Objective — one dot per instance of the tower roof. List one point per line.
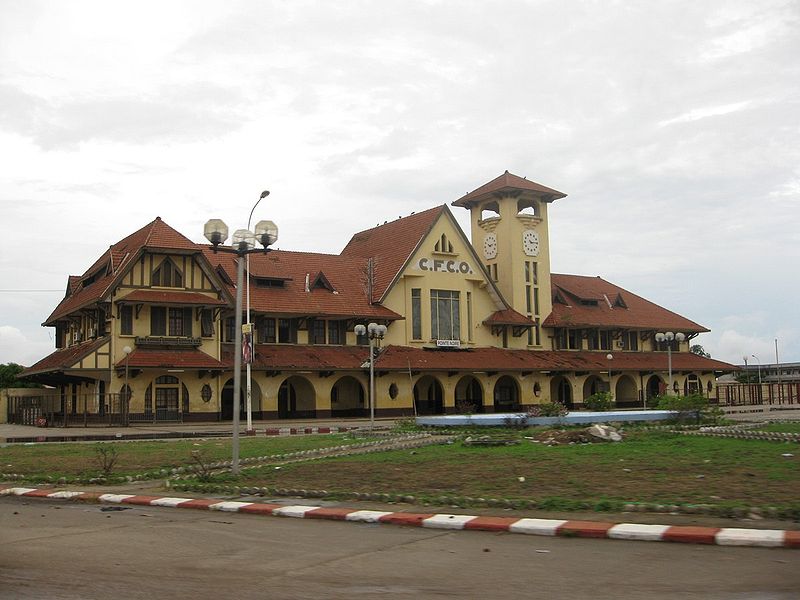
(505, 184)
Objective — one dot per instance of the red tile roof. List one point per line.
(637, 313)
(64, 358)
(274, 357)
(345, 274)
(176, 297)
(508, 182)
(391, 245)
(508, 317)
(155, 235)
(171, 359)
(401, 358)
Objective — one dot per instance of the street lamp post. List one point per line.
(243, 243)
(669, 337)
(373, 331)
(249, 392)
(126, 401)
(609, 357)
(759, 368)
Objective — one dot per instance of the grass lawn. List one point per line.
(781, 427)
(79, 459)
(646, 467)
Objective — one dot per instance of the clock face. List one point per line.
(530, 242)
(490, 246)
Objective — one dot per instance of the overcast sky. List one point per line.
(672, 126)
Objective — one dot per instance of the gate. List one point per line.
(79, 410)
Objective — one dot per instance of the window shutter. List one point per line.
(187, 322)
(158, 320)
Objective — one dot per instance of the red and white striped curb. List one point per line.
(722, 536)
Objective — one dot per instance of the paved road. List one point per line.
(69, 551)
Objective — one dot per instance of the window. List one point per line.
(207, 323)
(416, 314)
(126, 320)
(265, 328)
(592, 340)
(335, 332)
(180, 322)
(469, 316)
(631, 340)
(167, 398)
(158, 320)
(574, 339)
(264, 282)
(317, 331)
(445, 318)
(536, 301)
(167, 275)
(538, 332)
(492, 271)
(287, 331)
(605, 340)
(561, 339)
(443, 245)
(230, 329)
(528, 298)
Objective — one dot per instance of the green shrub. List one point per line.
(691, 407)
(548, 409)
(600, 401)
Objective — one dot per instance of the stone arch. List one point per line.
(226, 399)
(625, 392)
(348, 397)
(164, 398)
(469, 395)
(593, 385)
(655, 387)
(297, 399)
(692, 385)
(506, 395)
(527, 206)
(490, 210)
(429, 396)
(561, 391)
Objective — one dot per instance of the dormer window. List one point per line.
(267, 282)
(167, 275)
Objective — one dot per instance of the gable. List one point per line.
(446, 258)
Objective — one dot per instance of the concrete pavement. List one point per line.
(69, 550)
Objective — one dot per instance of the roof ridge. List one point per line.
(413, 214)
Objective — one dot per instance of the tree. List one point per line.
(699, 350)
(9, 377)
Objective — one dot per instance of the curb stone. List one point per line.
(725, 536)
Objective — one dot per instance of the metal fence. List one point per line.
(749, 394)
(82, 410)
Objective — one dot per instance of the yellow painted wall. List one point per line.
(431, 270)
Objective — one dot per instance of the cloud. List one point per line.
(177, 113)
(16, 347)
(703, 113)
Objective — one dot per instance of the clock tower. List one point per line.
(509, 232)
